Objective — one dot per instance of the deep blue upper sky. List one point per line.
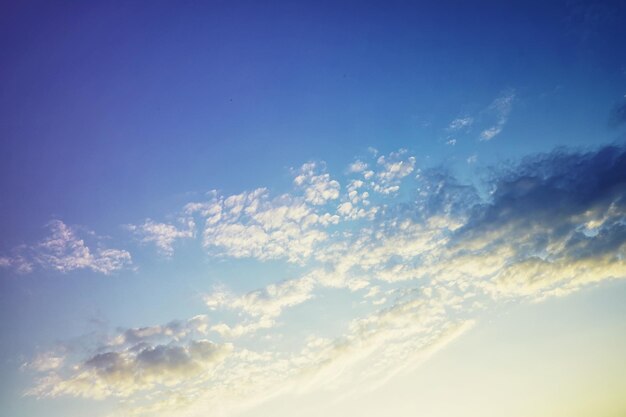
(106, 107)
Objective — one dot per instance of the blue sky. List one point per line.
(307, 193)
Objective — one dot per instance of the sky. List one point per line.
(293, 208)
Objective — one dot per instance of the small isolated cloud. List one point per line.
(460, 123)
(63, 250)
(357, 166)
(500, 108)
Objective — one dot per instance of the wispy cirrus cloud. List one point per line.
(500, 108)
(421, 271)
(64, 251)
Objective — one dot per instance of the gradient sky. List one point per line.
(296, 208)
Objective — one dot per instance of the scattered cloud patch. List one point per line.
(64, 251)
(319, 188)
(357, 166)
(163, 235)
(500, 108)
(461, 123)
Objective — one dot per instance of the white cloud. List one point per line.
(357, 166)
(319, 188)
(252, 224)
(63, 250)
(163, 235)
(501, 108)
(392, 169)
(121, 373)
(261, 306)
(460, 123)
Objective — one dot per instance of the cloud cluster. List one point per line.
(319, 188)
(135, 359)
(63, 250)
(417, 271)
(252, 224)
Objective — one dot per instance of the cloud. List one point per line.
(357, 166)
(393, 168)
(175, 330)
(319, 188)
(261, 306)
(64, 251)
(163, 235)
(251, 224)
(142, 367)
(460, 124)
(415, 275)
(500, 108)
(46, 362)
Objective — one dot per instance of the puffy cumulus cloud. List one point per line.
(63, 250)
(415, 276)
(139, 368)
(175, 330)
(163, 235)
(357, 166)
(500, 108)
(132, 360)
(318, 187)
